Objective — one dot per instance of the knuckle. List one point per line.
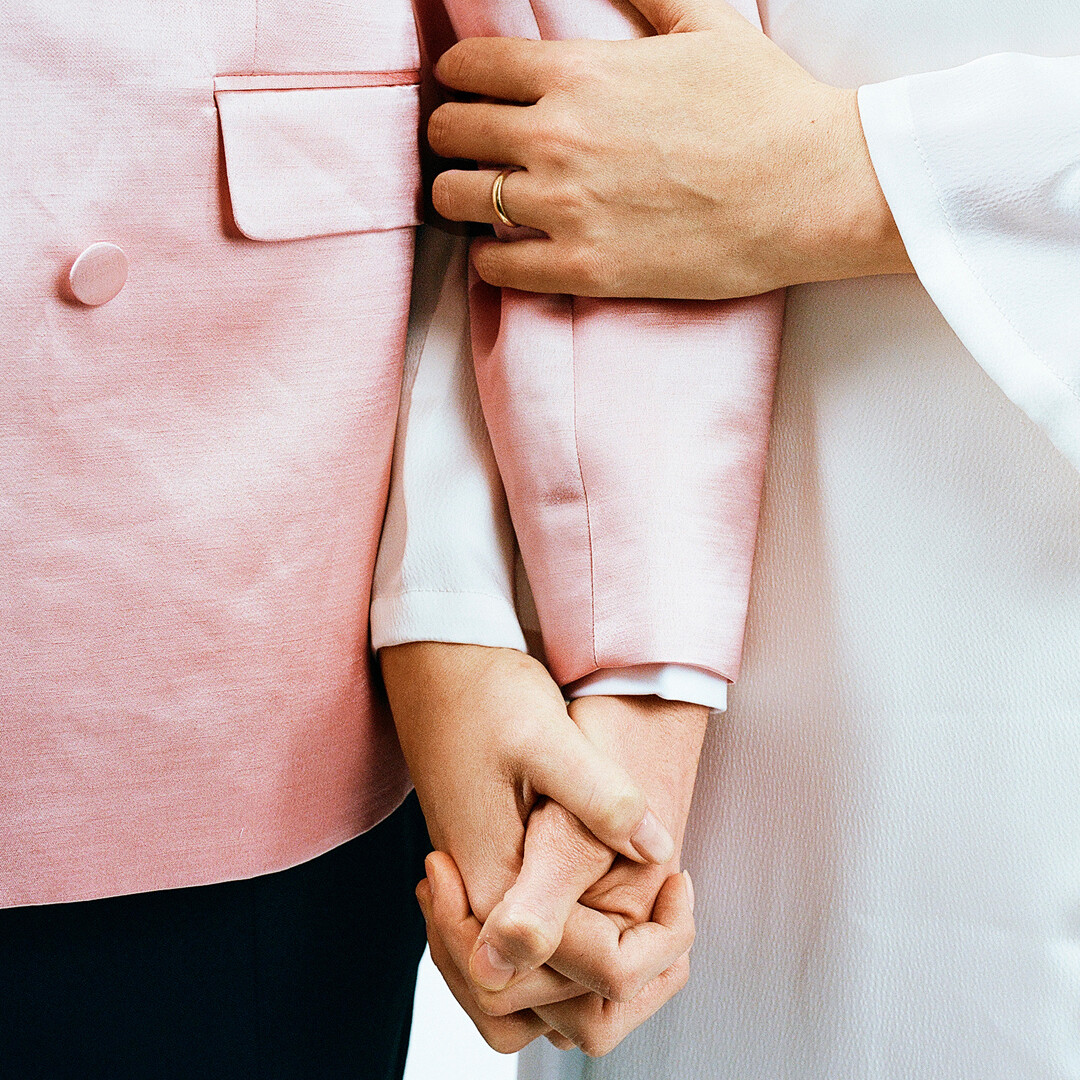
(487, 265)
(503, 1040)
(625, 985)
(603, 972)
(569, 200)
(561, 135)
(603, 985)
(493, 1005)
(623, 809)
(442, 196)
(456, 65)
(591, 274)
(523, 935)
(574, 67)
(603, 1041)
(629, 902)
(568, 843)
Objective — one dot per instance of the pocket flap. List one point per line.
(317, 161)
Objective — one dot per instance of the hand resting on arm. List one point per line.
(700, 163)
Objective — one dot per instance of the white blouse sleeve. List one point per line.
(445, 570)
(981, 167)
(673, 682)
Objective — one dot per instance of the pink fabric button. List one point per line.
(98, 274)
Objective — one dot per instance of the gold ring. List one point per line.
(497, 199)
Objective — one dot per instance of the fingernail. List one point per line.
(652, 841)
(689, 888)
(491, 969)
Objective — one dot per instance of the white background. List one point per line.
(445, 1045)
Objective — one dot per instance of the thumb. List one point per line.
(684, 16)
(592, 787)
(561, 860)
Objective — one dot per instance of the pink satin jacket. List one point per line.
(207, 253)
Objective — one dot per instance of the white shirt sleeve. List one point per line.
(981, 167)
(447, 568)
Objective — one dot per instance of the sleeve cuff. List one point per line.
(955, 278)
(459, 618)
(673, 682)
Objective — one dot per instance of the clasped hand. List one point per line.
(554, 901)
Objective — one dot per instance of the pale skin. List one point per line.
(590, 941)
(699, 163)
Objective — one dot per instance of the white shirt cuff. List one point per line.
(458, 617)
(673, 682)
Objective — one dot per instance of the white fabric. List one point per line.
(446, 566)
(674, 682)
(445, 570)
(886, 834)
(981, 166)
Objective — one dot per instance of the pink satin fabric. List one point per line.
(194, 473)
(631, 437)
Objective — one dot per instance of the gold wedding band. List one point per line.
(497, 199)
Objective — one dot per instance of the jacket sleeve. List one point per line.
(447, 568)
(981, 167)
(630, 437)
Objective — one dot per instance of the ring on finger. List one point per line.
(497, 198)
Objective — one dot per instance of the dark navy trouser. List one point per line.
(304, 974)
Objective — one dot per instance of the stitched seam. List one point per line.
(318, 80)
(1065, 382)
(584, 491)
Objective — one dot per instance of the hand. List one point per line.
(626, 941)
(486, 734)
(703, 163)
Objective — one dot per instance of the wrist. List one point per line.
(658, 742)
(861, 237)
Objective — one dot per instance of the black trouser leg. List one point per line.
(304, 974)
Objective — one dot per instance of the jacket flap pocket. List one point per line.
(318, 161)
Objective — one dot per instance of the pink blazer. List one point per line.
(207, 250)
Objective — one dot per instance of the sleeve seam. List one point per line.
(584, 489)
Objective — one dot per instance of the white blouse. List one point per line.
(886, 831)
